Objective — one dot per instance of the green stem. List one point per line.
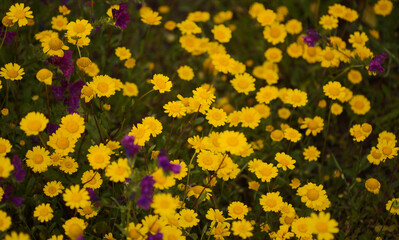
(4, 37)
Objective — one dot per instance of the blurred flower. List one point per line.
(157, 236)
(311, 38)
(121, 16)
(376, 62)
(164, 163)
(147, 189)
(19, 173)
(93, 196)
(65, 63)
(130, 148)
(8, 192)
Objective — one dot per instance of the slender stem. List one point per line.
(4, 37)
(188, 176)
(95, 119)
(386, 219)
(42, 141)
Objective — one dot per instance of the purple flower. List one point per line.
(164, 163)
(312, 37)
(19, 173)
(93, 196)
(73, 102)
(144, 201)
(80, 238)
(58, 91)
(51, 128)
(65, 63)
(130, 148)
(147, 185)
(157, 236)
(76, 87)
(9, 35)
(121, 16)
(377, 61)
(8, 195)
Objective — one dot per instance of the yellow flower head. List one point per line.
(123, 53)
(275, 33)
(221, 33)
(103, 85)
(38, 159)
(188, 27)
(19, 13)
(12, 71)
(75, 197)
(33, 123)
(237, 210)
(150, 17)
(161, 83)
(5, 221)
(272, 201)
(43, 212)
(185, 73)
(79, 29)
(59, 23)
(188, 218)
(52, 189)
(99, 156)
(328, 22)
(74, 227)
(372, 185)
(382, 7)
(53, 46)
(44, 75)
(118, 171)
(141, 134)
(5, 147)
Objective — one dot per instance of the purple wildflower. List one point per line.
(19, 173)
(144, 201)
(65, 63)
(121, 16)
(157, 236)
(312, 37)
(8, 195)
(164, 163)
(80, 238)
(73, 101)
(9, 35)
(377, 61)
(51, 128)
(93, 196)
(76, 87)
(130, 148)
(147, 189)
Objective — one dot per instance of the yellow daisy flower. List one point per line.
(38, 159)
(74, 227)
(79, 29)
(59, 23)
(75, 197)
(53, 188)
(61, 143)
(5, 147)
(118, 171)
(91, 179)
(99, 156)
(43, 212)
(5, 221)
(44, 75)
(19, 13)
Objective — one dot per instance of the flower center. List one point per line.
(288, 220)
(38, 158)
(386, 150)
(34, 125)
(72, 127)
(266, 171)
(312, 194)
(68, 164)
(79, 28)
(329, 55)
(376, 155)
(99, 158)
(237, 210)
(87, 91)
(188, 218)
(12, 73)
(271, 202)
(334, 91)
(296, 98)
(217, 116)
(311, 51)
(232, 141)
(161, 84)
(102, 87)
(275, 32)
(20, 14)
(321, 227)
(44, 212)
(120, 170)
(87, 210)
(76, 197)
(52, 189)
(243, 84)
(358, 40)
(359, 105)
(62, 142)
(312, 125)
(366, 128)
(55, 44)
(75, 230)
(302, 228)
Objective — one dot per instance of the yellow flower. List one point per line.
(87, 93)
(216, 117)
(295, 50)
(237, 210)
(69, 165)
(188, 218)
(292, 134)
(388, 149)
(59, 23)
(284, 161)
(170, 25)
(313, 126)
(38, 159)
(205, 96)
(130, 63)
(153, 125)
(242, 229)
(295, 183)
(73, 124)
(150, 17)
(277, 135)
(123, 53)
(53, 188)
(208, 160)
(266, 17)
(358, 39)
(293, 26)
(188, 27)
(375, 157)
(273, 54)
(44, 75)
(12, 71)
(296, 98)
(249, 117)
(372, 185)
(79, 29)
(135, 231)
(175, 109)
(311, 153)
(272, 201)
(130, 89)
(183, 169)
(161, 83)
(103, 85)
(266, 172)
(329, 57)
(7, 22)
(5, 147)
(382, 7)
(311, 54)
(75, 197)
(267, 94)
(185, 73)
(53, 46)
(351, 15)
(198, 16)
(61, 143)
(141, 134)
(275, 33)
(302, 228)
(336, 109)
(99, 156)
(74, 227)
(43, 212)
(118, 171)
(19, 13)
(164, 204)
(5, 221)
(33, 123)
(64, 10)
(328, 22)
(172, 232)
(393, 206)
(255, 9)
(221, 33)
(314, 196)
(88, 211)
(323, 225)
(91, 179)
(360, 105)
(354, 76)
